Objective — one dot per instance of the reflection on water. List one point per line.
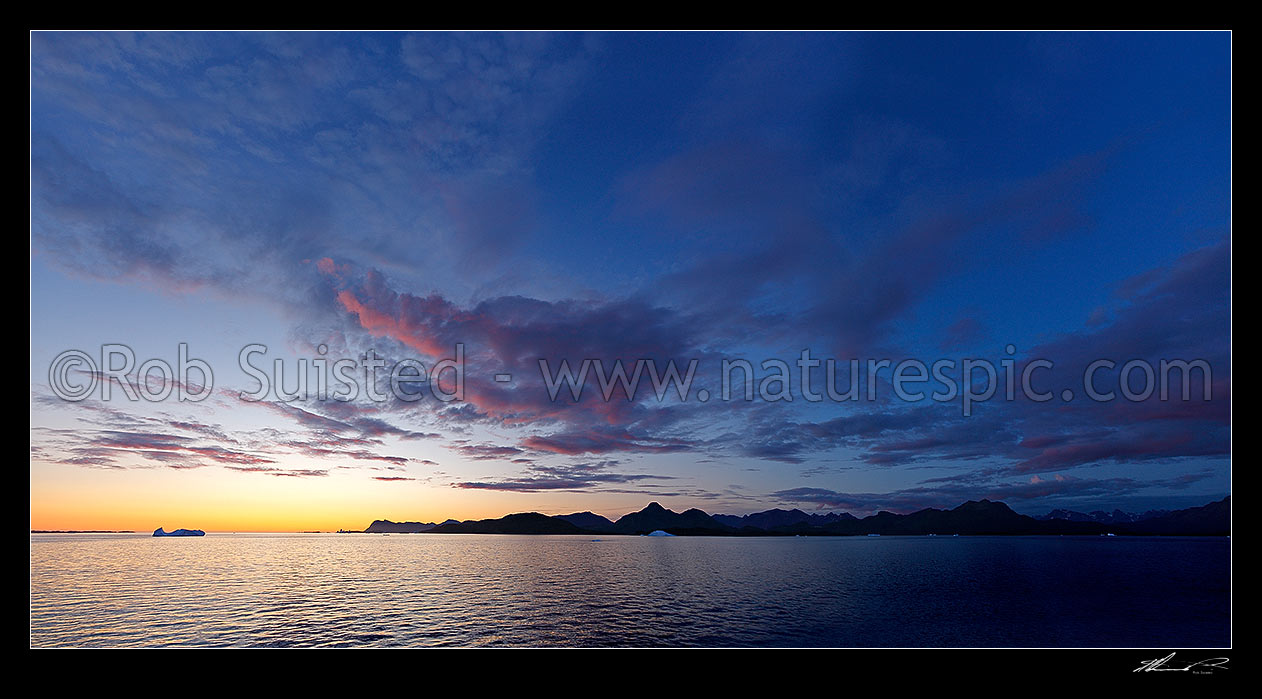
(470, 590)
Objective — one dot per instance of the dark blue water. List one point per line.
(470, 590)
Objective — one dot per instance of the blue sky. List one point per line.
(627, 196)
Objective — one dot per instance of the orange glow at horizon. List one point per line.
(67, 497)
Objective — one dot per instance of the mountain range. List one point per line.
(385, 526)
(972, 517)
(1102, 517)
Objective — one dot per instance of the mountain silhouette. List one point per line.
(385, 526)
(655, 517)
(1102, 517)
(773, 519)
(524, 523)
(972, 517)
(975, 517)
(1213, 519)
(589, 521)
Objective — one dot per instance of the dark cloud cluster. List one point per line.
(570, 477)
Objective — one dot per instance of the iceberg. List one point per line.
(178, 532)
(659, 532)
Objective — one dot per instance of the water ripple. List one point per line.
(311, 590)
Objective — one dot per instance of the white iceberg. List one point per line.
(178, 532)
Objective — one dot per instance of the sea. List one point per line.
(467, 590)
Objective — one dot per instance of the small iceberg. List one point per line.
(178, 532)
(659, 532)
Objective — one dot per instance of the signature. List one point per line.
(1199, 667)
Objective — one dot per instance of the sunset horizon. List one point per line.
(297, 283)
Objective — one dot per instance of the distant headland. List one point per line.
(178, 532)
(975, 517)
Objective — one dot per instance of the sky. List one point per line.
(1006, 197)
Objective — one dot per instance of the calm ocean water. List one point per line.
(470, 590)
